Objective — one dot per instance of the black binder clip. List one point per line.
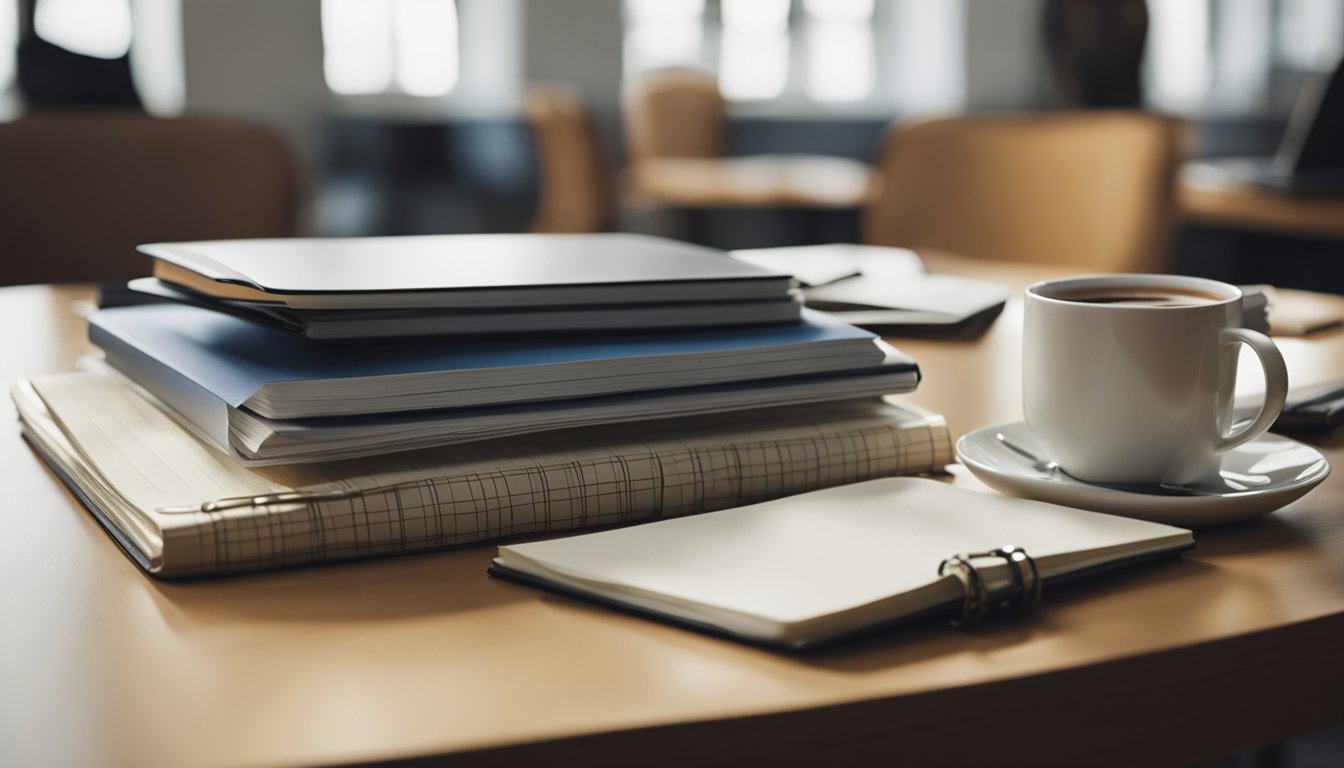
(1022, 597)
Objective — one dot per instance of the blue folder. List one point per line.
(235, 361)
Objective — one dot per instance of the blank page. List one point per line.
(814, 554)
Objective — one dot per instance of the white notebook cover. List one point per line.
(806, 568)
(454, 262)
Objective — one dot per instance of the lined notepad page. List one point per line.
(468, 493)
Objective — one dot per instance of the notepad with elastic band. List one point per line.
(816, 567)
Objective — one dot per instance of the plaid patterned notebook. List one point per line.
(180, 508)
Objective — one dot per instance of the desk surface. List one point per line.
(1239, 643)
(757, 181)
(1208, 195)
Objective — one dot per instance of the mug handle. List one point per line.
(1276, 386)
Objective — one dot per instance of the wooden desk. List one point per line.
(1240, 643)
(1208, 196)
(763, 181)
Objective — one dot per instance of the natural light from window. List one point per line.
(1178, 54)
(9, 39)
(1240, 83)
(664, 33)
(99, 28)
(157, 58)
(777, 51)
(1311, 33)
(754, 48)
(426, 65)
(378, 46)
(839, 40)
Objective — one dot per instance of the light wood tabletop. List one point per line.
(759, 181)
(1207, 195)
(1237, 644)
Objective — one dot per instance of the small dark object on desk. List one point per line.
(1321, 412)
(970, 327)
(116, 293)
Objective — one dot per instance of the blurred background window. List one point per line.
(1178, 54)
(88, 39)
(99, 28)
(398, 46)
(797, 53)
(754, 40)
(1310, 33)
(9, 41)
(663, 33)
(157, 57)
(839, 43)
(1238, 57)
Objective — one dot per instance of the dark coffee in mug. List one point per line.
(1118, 388)
(1140, 296)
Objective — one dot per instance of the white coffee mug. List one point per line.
(1130, 378)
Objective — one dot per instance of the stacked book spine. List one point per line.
(284, 449)
(217, 516)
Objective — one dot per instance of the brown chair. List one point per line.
(80, 190)
(1092, 189)
(673, 113)
(575, 189)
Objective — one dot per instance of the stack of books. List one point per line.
(312, 400)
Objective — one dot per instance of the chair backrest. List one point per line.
(675, 112)
(1092, 189)
(575, 191)
(81, 189)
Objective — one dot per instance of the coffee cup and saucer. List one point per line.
(1128, 387)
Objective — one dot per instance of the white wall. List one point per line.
(578, 42)
(263, 58)
(1005, 62)
(258, 58)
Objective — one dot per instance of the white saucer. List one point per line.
(1256, 479)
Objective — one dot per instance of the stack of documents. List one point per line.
(180, 381)
(266, 397)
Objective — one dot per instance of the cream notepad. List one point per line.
(808, 568)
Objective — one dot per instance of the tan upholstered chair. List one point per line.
(1090, 189)
(575, 189)
(673, 113)
(80, 189)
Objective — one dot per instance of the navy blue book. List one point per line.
(281, 376)
(266, 397)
